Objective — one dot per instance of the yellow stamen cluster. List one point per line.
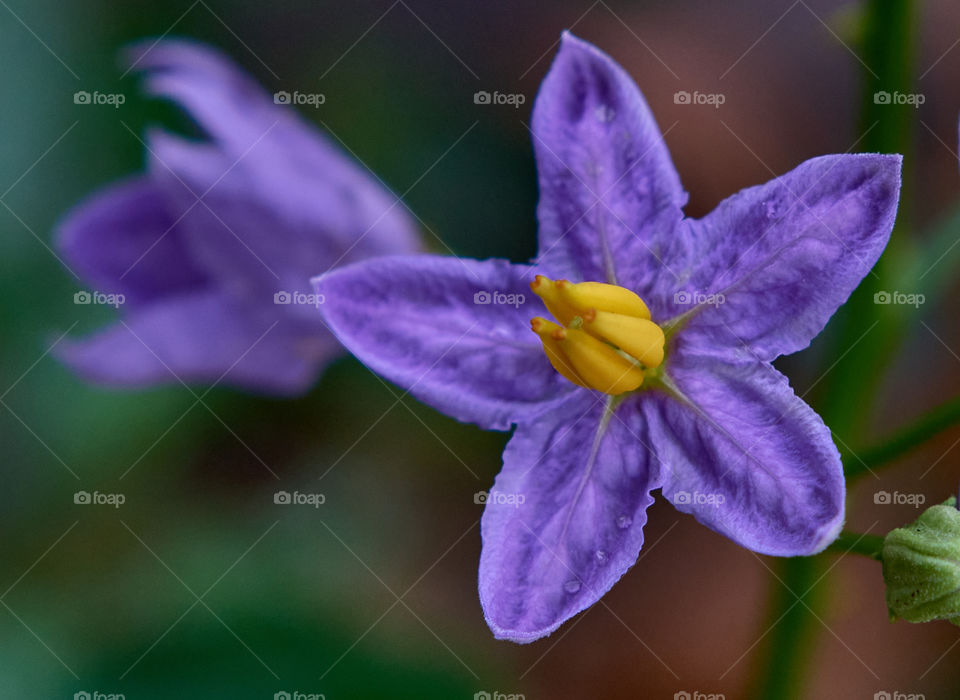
(605, 338)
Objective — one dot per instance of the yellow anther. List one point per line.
(605, 340)
(638, 337)
(546, 289)
(603, 297)
(600, 366)
(551, 346)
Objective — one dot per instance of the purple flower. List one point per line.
(213, 246)
(672, 389)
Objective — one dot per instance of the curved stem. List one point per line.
(936, 421)
(856, 543)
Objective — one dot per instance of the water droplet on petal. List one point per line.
(624, 521)
(571, 586)
(601, 556)
(604, 114)
(772, 209)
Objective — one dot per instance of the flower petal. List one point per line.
(226, 102)
(607, 186)
(585, 486)
(785, 255)
(125, 240)
(202, 339)
(435, 326)
(746, 456)
(280, 202)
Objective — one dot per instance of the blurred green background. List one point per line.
(199, 586)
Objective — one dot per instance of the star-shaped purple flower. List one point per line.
(672, 389)
(214, 245)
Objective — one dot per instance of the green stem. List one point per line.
(936, 421)
(856, 543)
(888, 50)
(794, 632)
(866, 335)
(794, 611)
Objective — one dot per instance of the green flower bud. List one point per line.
(921, 567)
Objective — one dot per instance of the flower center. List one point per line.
(605, 339)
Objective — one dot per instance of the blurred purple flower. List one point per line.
(713, 425)
(214, 245)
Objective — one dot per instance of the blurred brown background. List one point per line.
(313, 604)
